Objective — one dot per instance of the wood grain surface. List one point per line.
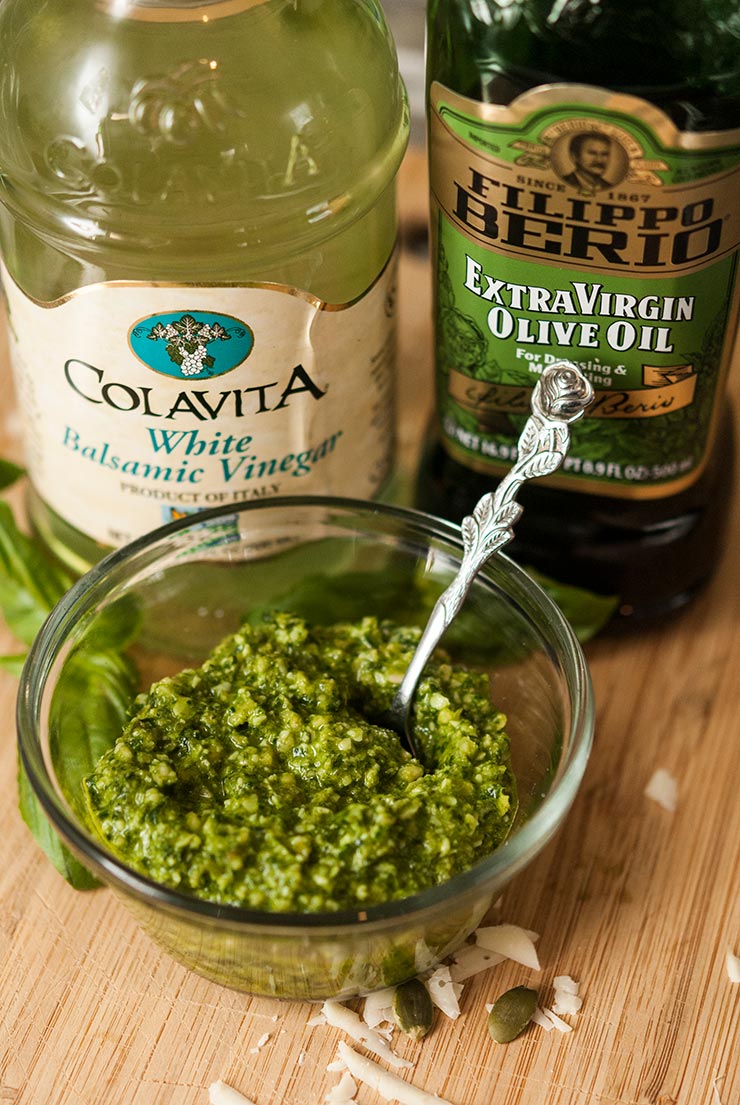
(637, 903)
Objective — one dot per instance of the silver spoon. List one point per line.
(560, 397)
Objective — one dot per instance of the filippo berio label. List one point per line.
(574, 223)
(142, 403)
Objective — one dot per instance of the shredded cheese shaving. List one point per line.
(565, 984)
(221, 1094)
(512, 942)
(445, 992)
(387, 1084)
(340, 1016)
(471, 959)
(732, 962)
(566, 1003)
(344, 1091)
(567, 999)
(540, 1017)
(378, 1007)
(562, 1026)
(663, 789)
(424, 959)
(260, 1043)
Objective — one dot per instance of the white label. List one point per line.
(141, 403)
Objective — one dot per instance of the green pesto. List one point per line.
(260, 780)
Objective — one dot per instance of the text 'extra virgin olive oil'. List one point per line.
(198, 240)
(585, 205)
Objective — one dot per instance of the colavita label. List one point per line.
(143, 403)
(577, 224)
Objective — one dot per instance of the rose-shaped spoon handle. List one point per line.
(560, 397)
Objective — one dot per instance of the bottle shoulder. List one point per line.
(680, 55)
(281, 107)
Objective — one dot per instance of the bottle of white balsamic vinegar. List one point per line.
(585, 184)
(197, 231)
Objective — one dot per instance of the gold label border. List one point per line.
(546, 96)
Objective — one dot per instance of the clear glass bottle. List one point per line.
(584, 159)
(197, 229)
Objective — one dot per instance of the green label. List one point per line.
(577, 225)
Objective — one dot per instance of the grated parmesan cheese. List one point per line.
(663, 789)
(378, 1007)
(424, 959)
(471, 959)
(344, 1091)
(566, 1003)
(387, 1084)
(340, 1016)
(221, 1094)
(260, 1043)
(445, 992)
(540, 1017)
(512, 942)
(567, 999)
(562, 1026)
(732, 963)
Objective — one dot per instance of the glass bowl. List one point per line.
(169, 597)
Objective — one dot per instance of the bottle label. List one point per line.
(582, 225)
(141, 403)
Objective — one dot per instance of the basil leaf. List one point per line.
(95, 688)
(29, 585)
(13, 665)
(587, 612)
(114, 627)
(68, 866)
(389, 592)
(88, 711)
(9, 473)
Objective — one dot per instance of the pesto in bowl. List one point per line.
(259, 779)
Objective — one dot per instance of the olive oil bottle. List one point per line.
(584, 164)
(197, 231)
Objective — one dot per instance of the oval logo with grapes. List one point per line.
(191, 345)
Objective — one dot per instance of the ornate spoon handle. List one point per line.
(560, 397)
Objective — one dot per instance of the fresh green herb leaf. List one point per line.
(388, 593)
(13, 665)
(88, 711)
(98, 681)
(114, 627)
(9, 473)
(57, 853)
(29, 585)
(587, 612)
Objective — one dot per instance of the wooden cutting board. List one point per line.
(636, 903)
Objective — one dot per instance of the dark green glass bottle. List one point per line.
(585, 205)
